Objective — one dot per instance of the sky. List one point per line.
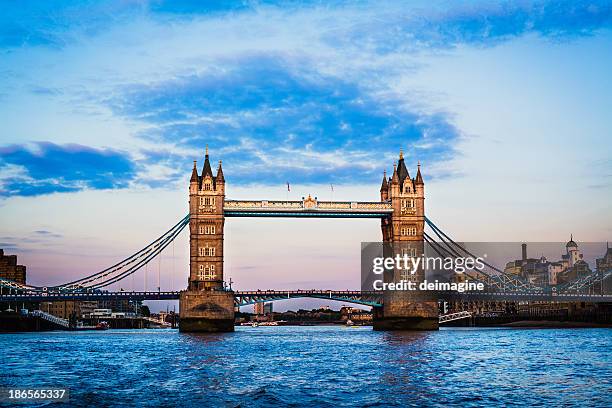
(105, 105)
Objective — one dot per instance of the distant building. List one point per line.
(355, 315)
(540, 271)
(65, 309)
(262, 309)
(605, 263)
(121, 306)
(258, 308)
(10, 270)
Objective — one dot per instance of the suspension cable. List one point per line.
(127, 260)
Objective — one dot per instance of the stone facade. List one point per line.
(206, 197)
(206, 311)
(404, 231)
(206, 306)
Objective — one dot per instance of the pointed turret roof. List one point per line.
(395, 177)
(384, 186)
(194, 173)
(402, 171)
(571, 242)
(206, 170)
(419, 178)
(220, 178)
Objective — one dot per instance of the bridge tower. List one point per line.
(402, 233)
(206, 306)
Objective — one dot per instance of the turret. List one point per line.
(419, 185)
(384, 188)
(193, 182)
(220, 180)
(419, 178)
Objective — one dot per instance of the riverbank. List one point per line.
(548, 324)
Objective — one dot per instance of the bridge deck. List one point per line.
(306, 208)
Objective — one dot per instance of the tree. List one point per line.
(145, 311)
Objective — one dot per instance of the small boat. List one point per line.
(102, 326)
(349, 322)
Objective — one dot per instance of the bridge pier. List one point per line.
(403, 313)
(210, 311)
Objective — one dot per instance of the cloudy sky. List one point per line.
(104, 106)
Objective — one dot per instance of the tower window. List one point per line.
(201, 272)
(207, 186)
(206, 251)
(408, 203)
(409, 252)
(209, 229)
(408, 231)
(207, 201)
(206, 272)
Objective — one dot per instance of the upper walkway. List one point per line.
(308, 207)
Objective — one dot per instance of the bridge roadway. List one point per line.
(243, 298)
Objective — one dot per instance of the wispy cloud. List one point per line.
(267, 118)
(278, 89)
(44, 167)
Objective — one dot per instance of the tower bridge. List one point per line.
(208, 305)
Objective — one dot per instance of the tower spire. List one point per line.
(419, 178)
(220, 178)
(194, 173)
(206, 170)
(402, 170)
(395, 177)
(384, 186)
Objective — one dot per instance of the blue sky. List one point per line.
(104, 106)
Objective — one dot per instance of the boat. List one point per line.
(102, 326)
(349, 322)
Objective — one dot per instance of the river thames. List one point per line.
(316, 366)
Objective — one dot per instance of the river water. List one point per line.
(316, 366)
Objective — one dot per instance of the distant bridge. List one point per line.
(244, 298)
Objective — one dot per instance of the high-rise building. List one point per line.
(10, 270)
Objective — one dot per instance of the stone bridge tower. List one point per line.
(402, 233)
(206, 306)
(206, 196)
